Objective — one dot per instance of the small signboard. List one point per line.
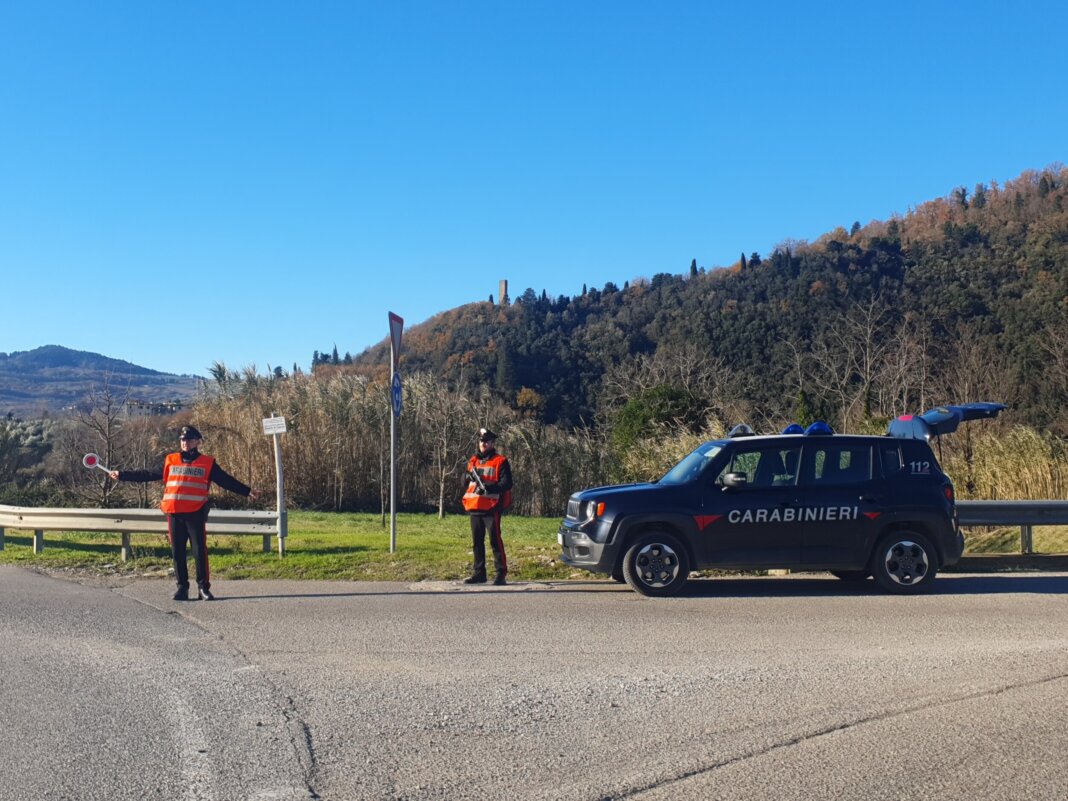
(396, 328)
(396, 395)
(274, 425)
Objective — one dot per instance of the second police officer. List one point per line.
(489, 492)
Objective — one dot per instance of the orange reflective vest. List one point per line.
(490, 471)
(185, 486)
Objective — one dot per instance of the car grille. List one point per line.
(573, 509)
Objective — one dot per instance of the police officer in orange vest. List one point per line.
(186, 477)
(489, 492)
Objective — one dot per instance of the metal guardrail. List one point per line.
(1025, 514)
(132, 521)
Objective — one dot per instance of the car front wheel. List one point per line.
(656, 565)
(904, 562)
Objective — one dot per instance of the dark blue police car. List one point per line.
(854, 505)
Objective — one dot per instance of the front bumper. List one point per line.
(579, 548)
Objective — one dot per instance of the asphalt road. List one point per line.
(772, 688)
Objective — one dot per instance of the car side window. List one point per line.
(765, 467)
(836, 464)
(742, 461)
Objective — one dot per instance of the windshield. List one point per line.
(690, 467)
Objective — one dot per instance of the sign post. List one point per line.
(396, 326)
(274, 427)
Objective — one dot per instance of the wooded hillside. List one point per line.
(963, 298)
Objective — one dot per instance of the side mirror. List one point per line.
(734, 480)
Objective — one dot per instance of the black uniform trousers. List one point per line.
(483, 523)
(189, 528)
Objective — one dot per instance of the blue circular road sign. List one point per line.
(396, 394)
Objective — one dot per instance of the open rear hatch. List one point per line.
(941, 420)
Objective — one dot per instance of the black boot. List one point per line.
(204, 594)
(475, 580)
(499, 580)
(181, 594)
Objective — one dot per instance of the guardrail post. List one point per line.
(1026, 540)
(266, 543)
(1, 538)
(38, 541)
(125, 552)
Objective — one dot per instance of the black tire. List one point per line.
(656, 564)
(851, 575)
(904, 562)
(617, 575)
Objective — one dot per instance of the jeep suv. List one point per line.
(857, 506)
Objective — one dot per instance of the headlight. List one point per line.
(593, 510)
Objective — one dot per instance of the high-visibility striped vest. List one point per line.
(185, 486)
(490, 471)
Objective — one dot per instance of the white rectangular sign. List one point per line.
(274, 425)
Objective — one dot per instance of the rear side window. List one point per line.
(836, 463)
(892, 461)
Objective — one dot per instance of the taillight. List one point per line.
(948, 490)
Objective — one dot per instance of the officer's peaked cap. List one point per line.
(485, 435)
(189, 432)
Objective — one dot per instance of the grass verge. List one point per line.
(320, 545)
(341, 546)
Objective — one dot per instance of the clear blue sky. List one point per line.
(190, 182)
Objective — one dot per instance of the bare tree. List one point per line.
(974, 370)
(442, 409)
(1054, 343)
(903, 383)
(103, 418)
(850, 355)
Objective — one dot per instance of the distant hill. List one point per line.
(52, 379)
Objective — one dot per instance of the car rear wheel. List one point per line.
(656, 564)
(904, 562)
(851, 575)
